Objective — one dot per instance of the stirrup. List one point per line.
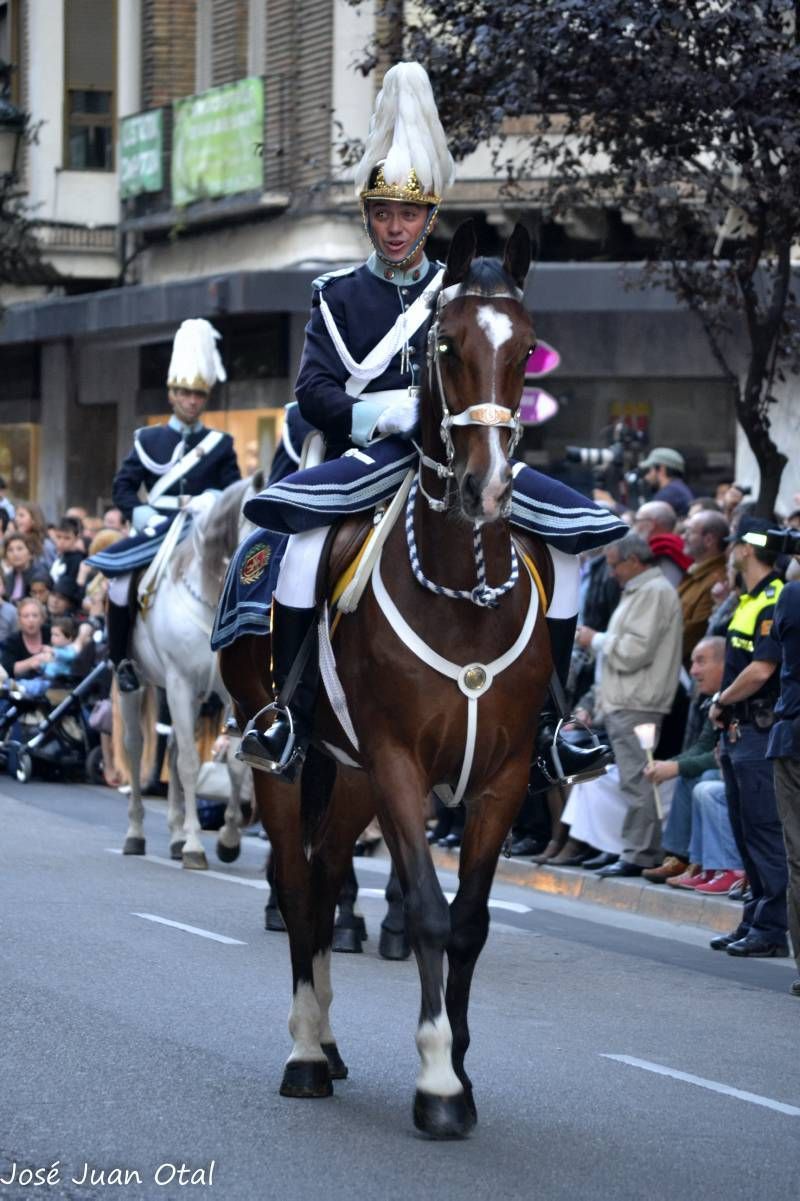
(581, 777)
(252, 752)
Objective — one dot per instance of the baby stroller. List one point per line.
(52, 736)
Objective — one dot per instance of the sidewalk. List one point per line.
(634, 896)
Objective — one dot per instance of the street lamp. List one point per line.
(13, 123)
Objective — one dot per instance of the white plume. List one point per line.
(405, 130)
(195, 355)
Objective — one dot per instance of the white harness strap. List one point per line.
(155, 572)
(182, 466)
(379, 358)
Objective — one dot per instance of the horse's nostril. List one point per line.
(471, 489)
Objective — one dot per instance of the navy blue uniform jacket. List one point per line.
(216, 470)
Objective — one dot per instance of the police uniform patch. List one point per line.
(256, 563)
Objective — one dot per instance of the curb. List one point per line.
(682, 906)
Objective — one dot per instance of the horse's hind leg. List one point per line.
(394, 942)
(349, 929)
(229, 839)
(488, 821)
(440, 1107)
(184, 708)
(130, 704)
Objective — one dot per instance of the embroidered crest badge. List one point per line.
(256, 563)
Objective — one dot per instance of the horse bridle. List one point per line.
(484, 414)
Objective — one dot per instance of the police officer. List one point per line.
(784, 749)
(361, 369)
(170, 464)
(744, 710)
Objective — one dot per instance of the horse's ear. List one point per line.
(517, 255)
(461, 253)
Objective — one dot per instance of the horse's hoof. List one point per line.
(394, 945)
(443, 1117)
(306, 1078)
(176, 849)
(346, 939)
(273, 920)
(195, 861)
(357, 920)
(227, 854)
(133, 846)
(336, 1065)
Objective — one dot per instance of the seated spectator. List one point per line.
(664, 470)
(9, 619)
(66, 647)
(71, 552)
(20, 567)
(655, 522)
(29, 521)
(708, 665)
(595, 813)
(5, 504)
(715, 863)
(704, 540)
(25, 653)
(113, 519)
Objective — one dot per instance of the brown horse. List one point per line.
(441, 691)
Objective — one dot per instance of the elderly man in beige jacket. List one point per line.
(640, 661)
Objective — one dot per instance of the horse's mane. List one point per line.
(220, 539)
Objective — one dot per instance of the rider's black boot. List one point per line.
(118, 629)
(559, 759)
(281, 749)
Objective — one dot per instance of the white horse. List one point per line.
(171, 649)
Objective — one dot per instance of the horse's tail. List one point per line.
(316, 786)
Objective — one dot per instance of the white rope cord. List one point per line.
(482, 594)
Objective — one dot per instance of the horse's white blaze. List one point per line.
(324, 992)
(496, 484)
(435, 1043)
(304, 1024)
(497, 326)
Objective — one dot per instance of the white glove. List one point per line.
(401, 417)
(144, 516)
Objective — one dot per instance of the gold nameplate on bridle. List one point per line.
(491, 415)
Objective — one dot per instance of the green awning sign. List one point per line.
(141, 153)
(216, 142)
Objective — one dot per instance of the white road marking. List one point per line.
(712, 1085)
(165, 921)
(210, 873)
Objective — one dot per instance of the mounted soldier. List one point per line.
(359, 378)
(168, 466)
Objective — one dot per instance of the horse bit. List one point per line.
(478, 414)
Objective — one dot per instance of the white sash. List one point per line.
(184, 465)
(379, 358)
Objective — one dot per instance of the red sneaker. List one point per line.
(690, 879)
(720, 882)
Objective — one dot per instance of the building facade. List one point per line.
(189, 163)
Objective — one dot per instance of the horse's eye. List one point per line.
(443, 347)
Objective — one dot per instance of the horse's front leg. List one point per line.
(489, 818)
(183, 708)
(130, 704)
(175, 809)
(229, 839)
(440, 1106)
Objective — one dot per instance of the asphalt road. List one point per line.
(613, 1057)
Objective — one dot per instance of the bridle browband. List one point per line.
(479, 414)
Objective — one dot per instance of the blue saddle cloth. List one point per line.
(129, 554)
(244, 606)
(361, 479)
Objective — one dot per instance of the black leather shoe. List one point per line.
(563, 761)
(276, 751)
(127, 679)
(620, 869)
(758, 948)
(525, 846)
(604, 859)
(721, 942)
(450, 842)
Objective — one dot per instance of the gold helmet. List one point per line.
(406, 156)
